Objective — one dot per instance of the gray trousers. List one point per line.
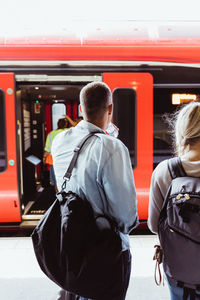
(63, 295)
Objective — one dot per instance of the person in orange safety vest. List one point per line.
(62, 124)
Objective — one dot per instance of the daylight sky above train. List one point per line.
(48, 16)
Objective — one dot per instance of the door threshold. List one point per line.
(31, 217)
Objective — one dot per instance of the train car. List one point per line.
(150, 68)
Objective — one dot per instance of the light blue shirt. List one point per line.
(103, 174)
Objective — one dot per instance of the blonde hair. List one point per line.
(186, 126)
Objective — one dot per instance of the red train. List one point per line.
(150, 71)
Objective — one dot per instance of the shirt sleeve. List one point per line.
(160, 182)
(119, 188)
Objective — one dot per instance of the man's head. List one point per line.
(96, 104)
(62, 123)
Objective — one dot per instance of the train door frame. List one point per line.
(9, 197)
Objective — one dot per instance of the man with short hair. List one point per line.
(103, 174)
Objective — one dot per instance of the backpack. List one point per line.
(78, 250)
(179, 229)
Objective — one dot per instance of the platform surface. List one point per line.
(22, 279)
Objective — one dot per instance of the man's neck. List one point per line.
(100, 124)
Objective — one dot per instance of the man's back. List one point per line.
(103, 173)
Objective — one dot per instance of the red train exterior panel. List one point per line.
(182, 52)
(9, 199)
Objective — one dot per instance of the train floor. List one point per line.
(22, 279)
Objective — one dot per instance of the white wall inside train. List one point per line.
(58, 112)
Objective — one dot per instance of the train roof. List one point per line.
(110, 40)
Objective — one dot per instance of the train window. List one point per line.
(162, 143)
(124, 116)
(3, 154)
(166, 101)
(58, 111)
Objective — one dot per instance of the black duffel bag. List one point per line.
(79, 251)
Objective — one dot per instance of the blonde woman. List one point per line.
(186, 139)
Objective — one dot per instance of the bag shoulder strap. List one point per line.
(175, 168)
(77, 150)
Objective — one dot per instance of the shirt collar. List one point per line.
(85, 125)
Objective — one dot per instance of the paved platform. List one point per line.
(22, 279)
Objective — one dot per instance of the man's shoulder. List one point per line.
(111, 144)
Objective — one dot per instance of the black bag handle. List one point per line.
(77, 150)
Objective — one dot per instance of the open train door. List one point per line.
(9, 199)
(133, 114)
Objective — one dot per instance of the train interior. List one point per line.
(40, 105)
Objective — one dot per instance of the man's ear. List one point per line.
(110, 109)
(80, 107)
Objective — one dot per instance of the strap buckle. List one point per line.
(76, 149)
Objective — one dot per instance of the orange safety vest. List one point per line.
(49, 159)
(49, 140)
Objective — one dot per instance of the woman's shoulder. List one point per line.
(161, 168)
(161, 174)
(161, 177)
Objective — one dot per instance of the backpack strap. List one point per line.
(176, 170)
(175, 167)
